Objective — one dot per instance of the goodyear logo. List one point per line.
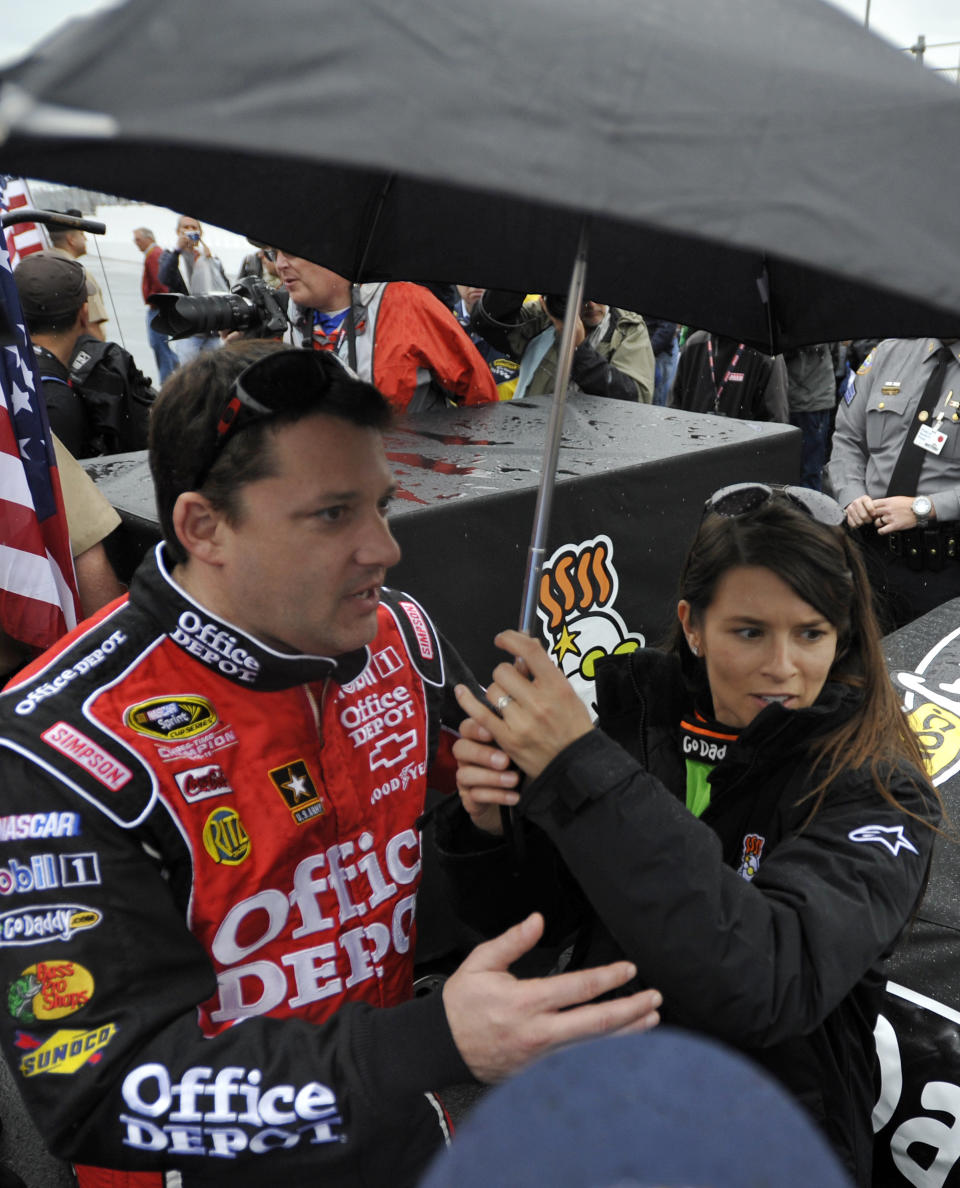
(168, 718)
(224, 837)
(938, 732)
(49, 990)
(65, 1051)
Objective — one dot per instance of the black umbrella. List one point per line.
(766, 170)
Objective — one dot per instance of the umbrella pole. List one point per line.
(541, 514)
(551, 451)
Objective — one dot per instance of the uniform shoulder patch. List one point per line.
(419, 634)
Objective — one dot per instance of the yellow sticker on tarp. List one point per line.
(938, 733)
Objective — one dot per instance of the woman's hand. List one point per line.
(538, 712)
(483, 779)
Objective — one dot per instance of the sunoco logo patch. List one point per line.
(168, 718)
(64, 1052)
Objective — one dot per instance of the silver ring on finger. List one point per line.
(503, 702)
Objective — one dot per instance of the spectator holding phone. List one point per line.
(191, 267)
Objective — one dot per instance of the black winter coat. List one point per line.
(783, 967)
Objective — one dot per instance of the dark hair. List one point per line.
(183, 429)
(823, 566)
(52, 323)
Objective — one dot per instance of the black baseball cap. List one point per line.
(50, 286)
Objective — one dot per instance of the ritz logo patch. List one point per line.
(167, 718)
(891, 836)
(224, 837)
(298, 791)
(65, 1051)
(49, 990)
(753, 845)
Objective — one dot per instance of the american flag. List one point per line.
(22, 238)
(38, 588)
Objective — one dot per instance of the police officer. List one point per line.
(895, 468)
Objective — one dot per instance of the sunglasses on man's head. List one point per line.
(271, 385)
(741, 498)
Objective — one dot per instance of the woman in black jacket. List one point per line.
(750, 824)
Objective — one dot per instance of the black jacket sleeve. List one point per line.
(137, 1079)
(751, 962)
(168, 269)
(599, 377)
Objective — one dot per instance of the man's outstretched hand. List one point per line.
(501, 1023)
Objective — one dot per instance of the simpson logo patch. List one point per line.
(86, 753)
(65, 1052)
(224, 837)
(167, 718)
(298, 790)
(49, 990)
(420, 628)
(200, 783)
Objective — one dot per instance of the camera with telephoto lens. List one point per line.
(251, 307)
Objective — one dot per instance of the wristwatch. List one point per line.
(921, 508)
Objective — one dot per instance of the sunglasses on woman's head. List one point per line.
(741, 498)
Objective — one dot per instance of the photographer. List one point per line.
(403, 339)
(613, 355)
(97, 400)
(192, 268)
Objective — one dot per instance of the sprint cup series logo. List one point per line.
(578, 589)
(932, 703)
(171, 718)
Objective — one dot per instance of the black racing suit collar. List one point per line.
(224, 647)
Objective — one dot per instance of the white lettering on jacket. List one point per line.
(255, 987)
(215, 647)
(50, 688)
(225, 1113)
(38, 825)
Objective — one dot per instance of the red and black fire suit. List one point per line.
(208, 871)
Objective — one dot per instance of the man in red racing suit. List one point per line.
(209, 857)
